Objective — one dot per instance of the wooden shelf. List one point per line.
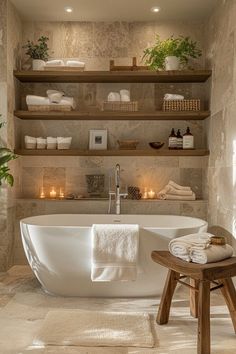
(100, 115)
(114, 76)
(147, 152)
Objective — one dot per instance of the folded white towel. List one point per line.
(170, 96)
(41, 143)
(214, 253)
(63, 143)
(75, 63)
(39, 100)
(114, 252)
(181, 246)
(51, 143)
(177, 186)
(30, 142)
(113, 97)
(169, 190)
(55, 62)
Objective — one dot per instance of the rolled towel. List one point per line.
(177, 186)
(55, 96)
(55, 62)
(63, 143)
(180, 247)
(113, 97)
(51, 143)
(214, 253)
(36, 100)
(41, 143)
(125, 95)
(75, 63)
(170, 96)
(30, 142)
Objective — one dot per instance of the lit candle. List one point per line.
(53, 193)
(61, 193)
(42, 193)
(151, 194)
(145, 194)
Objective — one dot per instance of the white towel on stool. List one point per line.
(114, 252)
(181, 246)
(214, 253)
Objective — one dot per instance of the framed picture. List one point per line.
(98, 139)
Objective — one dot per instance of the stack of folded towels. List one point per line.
(123, 96)
(54, 98)
(173, 191)
(197, 248)
(73, 63)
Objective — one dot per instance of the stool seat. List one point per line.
(201, 276)
(209, 271)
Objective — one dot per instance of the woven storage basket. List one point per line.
(181, 105)
(120, 106)
(49, 108)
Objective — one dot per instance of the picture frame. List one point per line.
(98, 139)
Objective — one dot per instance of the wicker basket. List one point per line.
(49, 108)
(120, 106)
(181, 105)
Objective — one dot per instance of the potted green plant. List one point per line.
(171, 53)
(38, 52)
(6, 155)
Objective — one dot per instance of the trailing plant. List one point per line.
(6, 155)
(181, 47)
(38, 50)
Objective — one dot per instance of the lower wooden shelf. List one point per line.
(147, 152)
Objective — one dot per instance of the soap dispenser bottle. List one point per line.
(179, 140)
(188, 140)
(172, 140)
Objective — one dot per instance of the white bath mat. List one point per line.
(94, 329)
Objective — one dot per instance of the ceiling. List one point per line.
(114, 10)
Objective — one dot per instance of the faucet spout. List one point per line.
(117, 193)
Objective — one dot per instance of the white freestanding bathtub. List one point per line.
(58, 249)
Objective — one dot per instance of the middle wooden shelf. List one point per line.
(101, 115)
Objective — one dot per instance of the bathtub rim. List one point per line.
(26, 221)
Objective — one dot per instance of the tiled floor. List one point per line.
(23, 306)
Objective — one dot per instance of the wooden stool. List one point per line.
(201, 276)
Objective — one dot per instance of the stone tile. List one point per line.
(192, 177)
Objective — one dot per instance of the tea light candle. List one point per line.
(42, 193)
(151, 194)
(53, 193)
(61, 193)
(145, 194)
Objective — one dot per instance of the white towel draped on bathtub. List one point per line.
(114, 252)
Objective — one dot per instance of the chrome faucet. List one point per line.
(117, 193)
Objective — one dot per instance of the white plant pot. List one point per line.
(38, 64)
(172, 63)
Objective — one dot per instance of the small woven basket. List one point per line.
(182, 105)
(49, 108)
(120, 106)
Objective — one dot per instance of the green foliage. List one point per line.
(181, 47)
(6, 155)
(38, 50)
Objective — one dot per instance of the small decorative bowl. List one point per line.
(156, 144)
(128, 144)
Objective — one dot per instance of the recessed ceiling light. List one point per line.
(155, 9)
(68, 9)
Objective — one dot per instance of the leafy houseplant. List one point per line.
(38, 52)
(163, 52)
(6, 155)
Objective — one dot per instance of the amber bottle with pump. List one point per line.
(179, 140)
(188, 140)
(172, 140)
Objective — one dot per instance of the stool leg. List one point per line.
(168, 292)
(204, 342)
(229, 293)
(194, 297)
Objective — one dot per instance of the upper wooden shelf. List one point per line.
(101, 115)
(113, 76)
(147, 152)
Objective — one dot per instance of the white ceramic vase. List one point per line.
(38, 64)
(172, 63)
